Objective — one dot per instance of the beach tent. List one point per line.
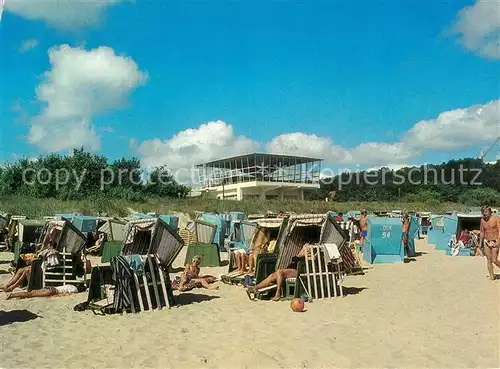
(241, 233)
(220, 231)
(85, 224)
(206, 246)
(454, 225)
(70, 243)
(152, 237)
(255, 233)
(135, 216)
(66, 236)
(114, 230)
(12, 229)
(383, 242)
(65, 216)
(436, 227)
(171, 220)
(296, 232)
(413, 234)
(4, 220)
(139, 273)
(28, 232)
(446, 226)
(237, 215)
(425, 222)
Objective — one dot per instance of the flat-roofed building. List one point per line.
(260, 176)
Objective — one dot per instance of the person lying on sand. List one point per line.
(68, 289)
(279, 276)
(190, 277)
(98, 244)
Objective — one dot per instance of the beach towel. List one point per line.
(332, 251)
(135, 263)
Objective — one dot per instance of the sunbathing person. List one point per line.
(98, 244)
(22, 274)
(252, 258)
(68, 289)
(279, 276)
(18, 279)
(190, 277)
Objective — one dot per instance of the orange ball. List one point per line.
(297, 305)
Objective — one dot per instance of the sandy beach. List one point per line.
(435, 311)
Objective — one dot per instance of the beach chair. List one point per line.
(205, 245)
(264, 230)
(153, 245)
(301, 229)
(323, 273)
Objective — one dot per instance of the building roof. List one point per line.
(267, 159)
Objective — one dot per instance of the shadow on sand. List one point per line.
(16, 316)
(353, 290)
(420, 253)
(187, 298)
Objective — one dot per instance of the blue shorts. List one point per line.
(404, 237)
(364, 234)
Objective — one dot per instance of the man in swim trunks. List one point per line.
(490, 236)
(279, 276)
(405, 228)
(363, 226)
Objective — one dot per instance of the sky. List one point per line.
(359, 84)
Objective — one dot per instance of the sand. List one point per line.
(436, 311)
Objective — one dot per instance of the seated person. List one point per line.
(464, 236)
(68, 289)
(95, 249)
(22, 274)
(191, 278)
(279, 276)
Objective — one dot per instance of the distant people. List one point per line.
(95, 249)
(464, 236)
(490, 236)
(405, 228)
(339, 218)
(363, 226)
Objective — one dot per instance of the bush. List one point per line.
(480, 197)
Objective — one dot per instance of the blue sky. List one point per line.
(184, 82)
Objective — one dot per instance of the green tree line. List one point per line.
(84, 175)
(467, 181)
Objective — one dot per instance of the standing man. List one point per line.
(405, 228)
(363, 227)
(490, 235)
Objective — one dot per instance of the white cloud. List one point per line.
(457, 129)
(27, 45)
(453, 130)
(210, 141)
(307, 145)
(324, 148)
(479, 28)
(79, 85)
(394, 167)
(61, 13)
